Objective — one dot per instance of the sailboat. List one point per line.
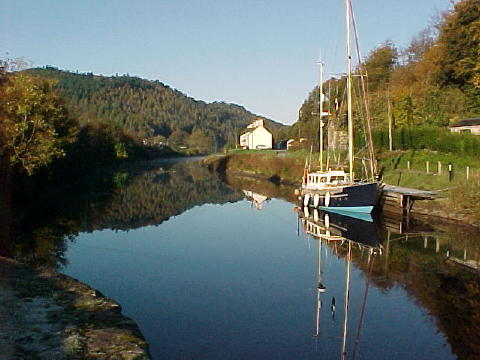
(337, 190)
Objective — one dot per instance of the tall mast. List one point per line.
(320, 110)
(349, 90)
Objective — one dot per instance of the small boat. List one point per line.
(334, 191)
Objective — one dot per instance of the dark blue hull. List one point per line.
(358, 197)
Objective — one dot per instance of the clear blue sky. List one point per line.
(257, 53)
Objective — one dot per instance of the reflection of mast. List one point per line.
(360, 323)
(320, 288)
(343, 352)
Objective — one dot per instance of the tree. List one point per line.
(200, 142)
(178, 138)
(34, 124)
(419, 45)
(379, 65)
(459, 41)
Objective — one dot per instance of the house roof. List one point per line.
(467, 122)
(250, 130)
(247, 132)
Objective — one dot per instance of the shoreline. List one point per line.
(48, 315)
(432, 209)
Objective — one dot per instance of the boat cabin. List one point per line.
(324, 179)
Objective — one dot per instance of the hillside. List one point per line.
(153, 110)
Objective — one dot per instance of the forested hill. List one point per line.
(153, 110)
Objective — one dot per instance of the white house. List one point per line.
(256, 137)
(471, 125)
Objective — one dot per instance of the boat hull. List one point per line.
(358, 198)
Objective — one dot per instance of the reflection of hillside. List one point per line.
(139, 195)
(155, 195)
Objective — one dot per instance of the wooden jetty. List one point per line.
(399, 200)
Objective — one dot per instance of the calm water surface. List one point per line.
(210, 273)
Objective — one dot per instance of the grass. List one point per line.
(465, 198)
(395, 169)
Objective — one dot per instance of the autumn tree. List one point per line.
(34, 121)
(459, 47)
(379, 65)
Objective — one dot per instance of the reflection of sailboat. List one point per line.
(350, 232)
(256, 199)
(338, 190)
(339, 227)
(320, 288)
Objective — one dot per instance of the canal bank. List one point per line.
(47, 315)
(456, 204)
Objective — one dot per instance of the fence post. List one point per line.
(408, 165)
(450, 172)
(427, 165)
(468, 172)
(439, 168)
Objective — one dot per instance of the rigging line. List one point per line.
(357, 337)
(373, 163)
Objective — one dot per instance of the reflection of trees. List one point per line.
(451, 294)
(155, 195)
(140, 195)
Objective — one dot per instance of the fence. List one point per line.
(441, 169)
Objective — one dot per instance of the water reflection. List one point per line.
(341, 231)
(256, 199)
(428, 261)
(380, 287)
(128, 198)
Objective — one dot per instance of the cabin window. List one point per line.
(336, 179)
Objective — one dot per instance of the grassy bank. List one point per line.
(409, 169)
(277, 166)
(461, 195)
(402, 168)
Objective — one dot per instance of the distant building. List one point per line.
(471, 125)
(256, 137)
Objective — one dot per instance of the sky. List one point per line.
(260, 54)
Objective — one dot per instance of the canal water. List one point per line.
(215, 268)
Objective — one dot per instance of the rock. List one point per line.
(47, 315)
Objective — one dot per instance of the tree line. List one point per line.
(43, 145)
(433, 82)
(56, 125)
